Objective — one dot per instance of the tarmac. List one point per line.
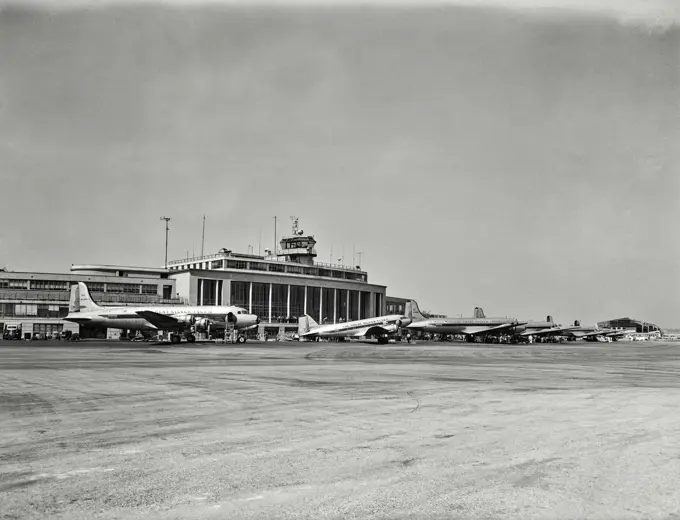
(339, 431)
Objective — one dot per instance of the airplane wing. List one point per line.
(593, 333)
(160, 321)
(617, 333)
(498, 328)
(553, 331)
(368, 331)
(76, 319)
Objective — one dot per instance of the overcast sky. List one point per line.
(524, 160)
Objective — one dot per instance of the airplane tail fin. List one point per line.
(413, 311)
(479, 312)
(81, 301)
(306, 323)
(74, 301)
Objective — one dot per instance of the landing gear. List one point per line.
(382, 341)
(191, 338)
(175, 339)
(241, 339)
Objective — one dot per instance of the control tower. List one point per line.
(297, 247)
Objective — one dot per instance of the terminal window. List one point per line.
(260, 304)
(149, 289)
(239, 293)
(279, 300)
(122, 288)
(22, 309)
(297, 300)
(49, 285)
(327, 304)
(341, 305)
(13, 284)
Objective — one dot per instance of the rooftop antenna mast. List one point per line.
(203, 236)
(275, 236)
(167, 228)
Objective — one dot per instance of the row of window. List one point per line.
(276, 268)
(38, 310)
(322, 303)
(13, 284)
(53, 285)
(396, 308)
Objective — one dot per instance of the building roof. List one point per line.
(115, 268)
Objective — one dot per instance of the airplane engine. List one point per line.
(392, 327)
(186, 319)
(202, 323)
(397, 324)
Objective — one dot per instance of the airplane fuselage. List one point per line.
(459, 325)
(349, 328)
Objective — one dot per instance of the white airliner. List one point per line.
(587, 332)
(538, 328)
(176, 318)
(479, 325)
(576, 331)
(379, 327)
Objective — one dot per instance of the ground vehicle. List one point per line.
(12, 331)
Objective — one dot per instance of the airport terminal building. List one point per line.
(279, 287)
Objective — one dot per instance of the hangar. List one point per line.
(629, 324)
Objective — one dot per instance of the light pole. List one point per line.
(167, 228)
